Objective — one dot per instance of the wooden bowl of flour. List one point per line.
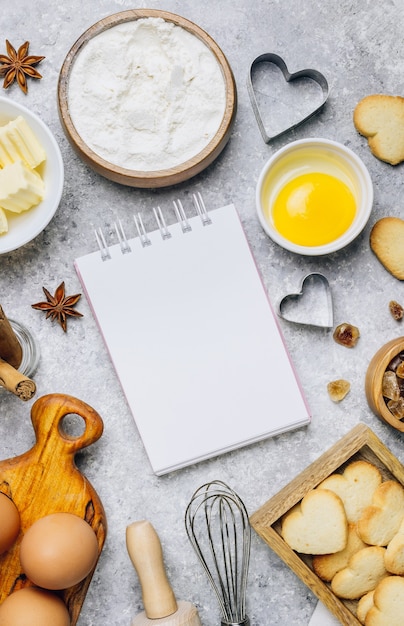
(130, 131)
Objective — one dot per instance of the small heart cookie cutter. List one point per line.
(318, 77)
(313, 282)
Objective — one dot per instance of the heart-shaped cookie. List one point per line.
(300, 78)
(394, 558)
(312, 305)
(381, 520)
(388, 603)
(387, 242)
(317, 524)
(364, 605)
(355, 486)
(380, 118)
(364, 571)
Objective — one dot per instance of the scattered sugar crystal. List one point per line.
(338, 389)
(346, 335)
(396, 310)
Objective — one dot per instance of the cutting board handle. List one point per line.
(47, 414)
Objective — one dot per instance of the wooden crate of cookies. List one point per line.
(339, 526)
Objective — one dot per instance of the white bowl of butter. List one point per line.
(314, 196)
(31, 175)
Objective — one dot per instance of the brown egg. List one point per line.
(58, 551)
(33, 607)
(9, 523)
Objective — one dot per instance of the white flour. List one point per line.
(146, 95)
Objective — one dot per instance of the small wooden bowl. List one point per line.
(164, 177)
(373, 381)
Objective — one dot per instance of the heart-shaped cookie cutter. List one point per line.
(318, 77)
(313, 281)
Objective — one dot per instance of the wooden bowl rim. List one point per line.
(374, 375)
(152, 178)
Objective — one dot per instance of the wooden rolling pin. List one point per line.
(160, 604)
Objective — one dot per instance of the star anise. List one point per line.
(18, 65)
(59, 306)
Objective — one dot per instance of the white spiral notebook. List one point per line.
(192, 336)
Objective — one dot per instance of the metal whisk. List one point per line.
(217, 525)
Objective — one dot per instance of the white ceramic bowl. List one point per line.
(314, 155)
(26, 226)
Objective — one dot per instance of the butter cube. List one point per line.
(20, 187)
(19, 143)
(3, 222)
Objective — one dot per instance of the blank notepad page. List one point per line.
(194, 341)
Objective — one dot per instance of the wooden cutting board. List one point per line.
(45, 480)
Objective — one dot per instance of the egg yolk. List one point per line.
(313, 209)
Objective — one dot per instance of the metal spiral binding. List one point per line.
(161, 223)
(141, 231)
(123, 242)
(181, 217)
(201, 208)
(165, 233)
(102, 244)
